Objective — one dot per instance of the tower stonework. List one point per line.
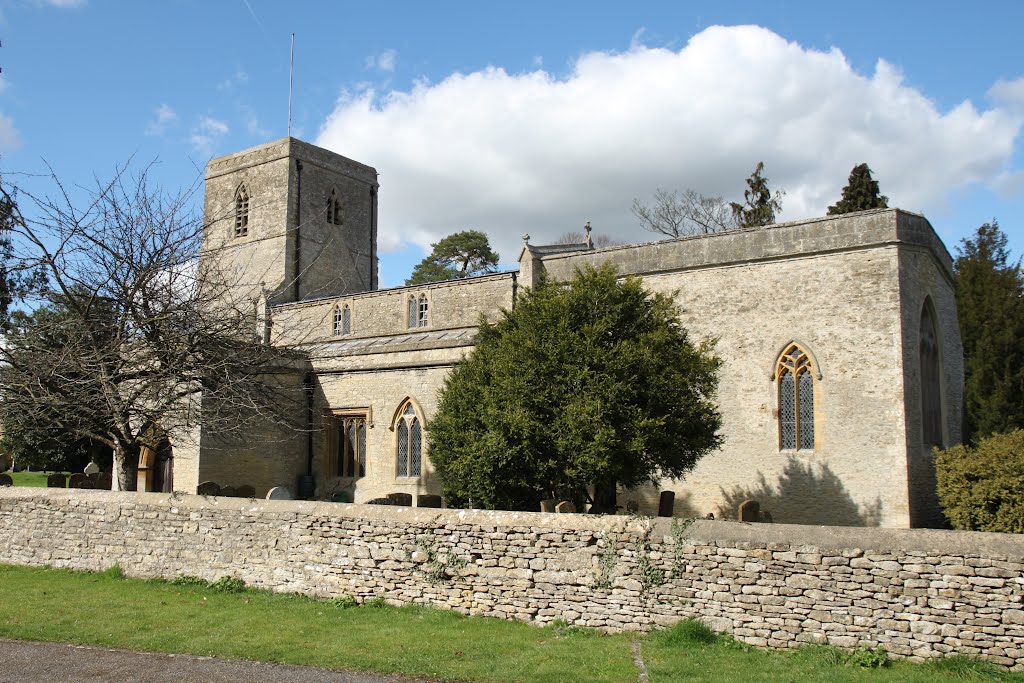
(288, 221)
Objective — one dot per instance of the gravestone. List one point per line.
(565, 506)
(208, 488)
(548, 505)
(228, 492)
(766, 517)
(666, 503)
(245, 491)
(400, 499)
(429, 501)
(57, 480)
(104, 481)
(5, 479)
(750, 511)
(279, 493)
(92, 468)
(80, 481)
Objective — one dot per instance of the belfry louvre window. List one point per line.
(796, 399)
(334, 215)
(410, 442)
(350, 446)
(241, 211)
(931, 405)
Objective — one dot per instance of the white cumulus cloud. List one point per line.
(1008, 93)
(9, 138)
(532, 152)
(163, 118)
(385, 61)
(206, 133)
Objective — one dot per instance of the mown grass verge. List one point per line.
(31, 478)
(227, 620)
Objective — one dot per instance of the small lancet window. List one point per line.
(346, 320)
(334, 214)
(241, 211)
(796, 399)
(423, 319)
(410, 443)
(931, 387)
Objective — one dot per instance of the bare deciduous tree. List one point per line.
(134, 336)
(678, 214)
(577, 237)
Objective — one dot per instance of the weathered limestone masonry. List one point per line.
(918, 593)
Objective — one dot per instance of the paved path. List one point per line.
(31, 662)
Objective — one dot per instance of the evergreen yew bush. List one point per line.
(982, 488)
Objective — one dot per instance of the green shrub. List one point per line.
(190, 582)
(343, 602)
(868, 657)
(228, 584)
(688, 632)
(982, 488)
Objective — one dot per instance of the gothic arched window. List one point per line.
(241, 211)
(931, 391)
(423, 319)
(334, 215)
(411, 314)
(795, 374)
(409, 443)
(346, 319)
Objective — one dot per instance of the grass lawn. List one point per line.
(31, 478)
(108, 610)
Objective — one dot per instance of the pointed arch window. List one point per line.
(409, 446)
(423, 317)
(795, 374)
(241, 211)
(342, 320)
(334, 213)
(931, 402)
(349, 459)
(411, 314)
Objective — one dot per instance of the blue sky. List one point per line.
(535, 117)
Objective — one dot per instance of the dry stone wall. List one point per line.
(918, 593)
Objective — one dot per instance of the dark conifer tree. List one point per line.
(861, 193)
(990, 303)
(760, 205)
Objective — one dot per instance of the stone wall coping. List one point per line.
(929, 541)
(391, 291)
(859, 230)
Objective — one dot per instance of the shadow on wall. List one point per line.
(804, 494)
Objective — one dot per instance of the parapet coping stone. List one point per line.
(935, 542)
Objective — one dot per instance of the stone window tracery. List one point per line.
(241, 211)
(795, 374)
(409, 446)
(424, 314)
(342, 320)
(349, 445)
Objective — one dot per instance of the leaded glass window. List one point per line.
(424, 315)
(338, 321)
(346, 320)
(351, 443)
(411, 313)
(410, 443)
(796, 399)
(242, 211)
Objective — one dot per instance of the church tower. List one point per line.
(288, 221)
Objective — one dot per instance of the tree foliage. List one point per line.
(462, 254)
(860, 194)
(982, 488)
(678, 214)
(590, 383)
(760, 206)
(990, 303)
(135, 335)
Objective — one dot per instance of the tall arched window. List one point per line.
(346, 319)
(334, 215)
(795, 374)
(241, 211)
(424, 313)
(931, 390)
(410, 442)
(337, 321)
(411, 313)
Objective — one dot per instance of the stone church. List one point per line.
(842, 357)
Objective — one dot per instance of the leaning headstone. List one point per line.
(666, 503)
(429, 501)
(104, 481)
(279, 493)
(766, 517)
(750, 511)
(548, 505)
(228, 492)
(245, 491)
(57, 480)
(400, 499)
(80, 481)
(565, 506)
(208, 488)
(91, 468)
(378, 501)
(5, 479)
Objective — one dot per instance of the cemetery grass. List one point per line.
(26, 478)
(190, 616)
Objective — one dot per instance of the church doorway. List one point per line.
(156, 465)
